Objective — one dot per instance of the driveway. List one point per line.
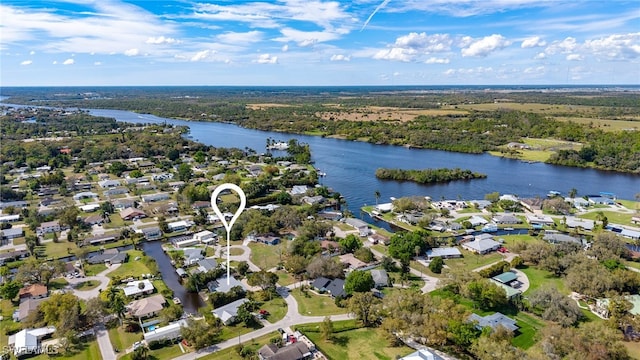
(101, 278)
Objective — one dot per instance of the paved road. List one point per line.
(106, 348)
(101, 278)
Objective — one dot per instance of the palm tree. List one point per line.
(573, 193)
(377, 195)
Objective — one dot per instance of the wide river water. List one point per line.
(350, 166)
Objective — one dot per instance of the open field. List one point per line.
(471, 261)
(531, 107)
(613, 217)
(316, 305)
(353, 342)
(131, 267)
(380, 113)
(231, 354)
(265, 256)
(605, 124)
(276, 307)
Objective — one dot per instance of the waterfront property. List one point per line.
(227, 313)
(444, 252)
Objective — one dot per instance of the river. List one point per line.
(351, 166)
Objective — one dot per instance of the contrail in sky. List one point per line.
(384, 3)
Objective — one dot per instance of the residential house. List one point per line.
(89, 207)
(176, 185)
(351, 262)
(510, 292)
(377, 238)
(224, 284)
(299, 190)
(312, 200)
(361, 226)
(444, 253)
(192, 256)
(197, 205)
(601, 200)
(422, 354)
(26, 307)
(494, 321)
(533, 205)
(11, 233)
(146, 307)
(539, 220)
(206, 265)
(508, 278)
(228, 313)
(334, 287)
(585, 224)
(185, 242)
(482, 244)
(13, 256)
(85, 195)
(27, 341)
(602, 305)
(181, 225)
(170, 332)
(109, 256)
(295, 351)
(93, 220)
(121, 204)
(48, 227)
(138, 288)
(100, 239)
(13, 204)
(380, 278)
(205, 237)
(556, 237)
(476, 220)
(151, 233)
(131, 213)
(115, 191)
(33, 291)
(155, 197)
(506, 219)
(268, 239)
(10, 218)
(578, 202)
(480, 204)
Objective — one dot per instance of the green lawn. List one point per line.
(59, 249)
(359, 343)
(265, 256)
(629, 204)
(529, 327)
(123, 340)
(94, 269)
(87, 285)
(231, 354)
(167, 352)
(276, 307)
(236, 251)
(612, 216)
(284, 278)
(316, 305)
(232, 331)
(89, 350)
(7, 323)
(131, 267)
(58, 283)
(470, 261)
(539, 277)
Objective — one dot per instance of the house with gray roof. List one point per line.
(296, 351)
(169, 332)
(109, 256)
(556, 237)
(422, 354)
(11, 233)
(380, 278)
(494, 321)
(482, 244)
(573, 222)
(228, 313)
(444, 252)
(506, 219)
(224, 285)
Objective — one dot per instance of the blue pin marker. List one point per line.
(229, 225)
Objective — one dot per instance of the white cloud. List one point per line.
(435, 60)
(534, 70)
(485, 46)
(467, 8)
(617, 46)
(201, 55)
(285, 48)
(266, 59)
(575, 57)
(565, 46)
(307, 42)
(32, 52)
(340, 57)
(306, 38)
(408, 47)
(450, 72)
(132, 52)
(540, 56)
(68, 62)
(26, 62)
(97, 63)
(55, 62)
(240, 38)
(161, 40)
(534, 41)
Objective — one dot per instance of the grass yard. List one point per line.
(231, 354)
(58, 283)
(316, 305)
(284, 278)
(60, 249)
(87, 285)
(529, 327)
(470, 261)
(539, 277)
(91, 270)
(633, 348)
(131, 268)
(233, 331)
(84, 351)
(612, 216)
(354, 343)
(265, 256)
(7, 323)
(123, 340)
(276, 307)
(629, 204)
(236, 251)
(167, 352)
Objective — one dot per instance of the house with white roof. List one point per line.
(179, 225)
(138, 288)
(444, 253)
(169, 332)
(422, 354)
(204, 237)
(27, 341)
(482, 244)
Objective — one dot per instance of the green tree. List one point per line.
(184, 172)
(358, 281)
(326, 329)
(266, 280)
(201, 333)
(350, 243)
(436, 265)
(10, 289)
(363, 305)
(376, 194)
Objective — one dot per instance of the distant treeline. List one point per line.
(428, 176)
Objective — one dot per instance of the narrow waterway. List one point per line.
(190, 301)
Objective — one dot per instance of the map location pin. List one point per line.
(229, 225)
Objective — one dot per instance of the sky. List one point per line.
(318, 42)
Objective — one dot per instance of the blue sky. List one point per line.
(317, 42)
